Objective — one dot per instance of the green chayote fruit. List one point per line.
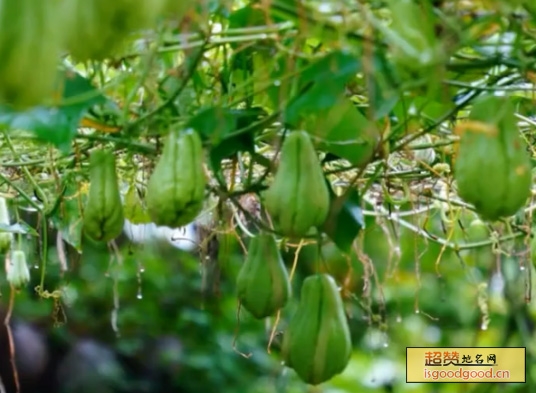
(103, 215)
(176, 189)
(533, 249)
(317, 342)
(6, 238)
(29, 48)
(263, 284)
(493, 170)
(298, 199)
(96, 29)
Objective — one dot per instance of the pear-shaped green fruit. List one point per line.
(6, 238)
(176, 189)
(96, 29)
(298, 199)
(263, 284)
(317, 342)
(493, 169)
(533, 249)
(30, 43)
(103, 216)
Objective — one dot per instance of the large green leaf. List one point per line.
(221, 129)
(58, 124)
(66, 215)
(345, 219)
(343, 131)
(20, 227)
(246, 16)
(322, 83)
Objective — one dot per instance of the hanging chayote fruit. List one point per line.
(176, 189)
(103, 215)
(6, 238)
(493, 170)
(317, 342)
(96, 29)
(533, 248)
(29, 49)
(263, 284)
(298, 199)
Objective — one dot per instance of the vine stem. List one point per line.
(291, 276)
(21, 192)
(237, 332)
(38, 189)
(429, 236)
(176, 93)
(10, 338)
(44, 253)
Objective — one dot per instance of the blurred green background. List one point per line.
(177, 326)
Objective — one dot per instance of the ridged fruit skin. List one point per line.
(493, 168)
(176, 189)
(6, 238)
(263, 284)
(29, 49)
(298, 198)
(96, 29)
(478, 232)
(18, 273)
(103, 215)
(317, 342)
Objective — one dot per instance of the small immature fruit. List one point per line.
(6, 238)
(493, 168)
(298, 199)
(103, 216)
(176, 189)
(482, 257)
(17, 273)
(317, 342)
(263, 284)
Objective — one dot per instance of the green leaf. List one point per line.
(67, 218)
(134, 210)
(219, 126)
(385, 94)
(345, 220)
(343, 131)
(245, 17)
(56, 125)
(324, 83)
(21, 227)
